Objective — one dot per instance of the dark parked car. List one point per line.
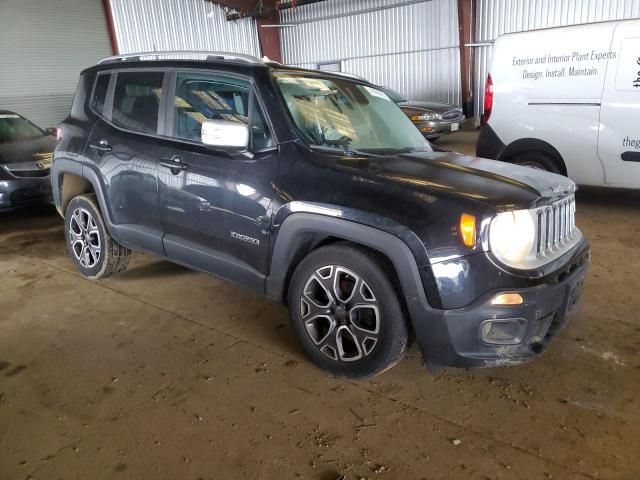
(25, 160)
(316, 190)
(433, 119)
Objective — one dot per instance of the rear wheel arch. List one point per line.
(532, 145)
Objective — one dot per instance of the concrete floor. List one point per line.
(167, 373)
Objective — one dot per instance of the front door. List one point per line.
(215, 206)
(123, 150)
(619, 139)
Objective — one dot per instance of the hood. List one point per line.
(497, 185)
(417, 107)
(23, 151)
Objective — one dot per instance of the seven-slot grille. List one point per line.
(556, 225)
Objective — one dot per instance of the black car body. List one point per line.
(25, 160)
(433, 119)
(253, 215)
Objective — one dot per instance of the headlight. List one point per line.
(423, 117)
(512, 236)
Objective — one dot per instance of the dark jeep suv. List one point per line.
(316, 190)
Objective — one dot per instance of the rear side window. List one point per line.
(136, 100)
(100, 92)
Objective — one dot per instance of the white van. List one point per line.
(567, 100)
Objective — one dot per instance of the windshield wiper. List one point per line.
(340, 150)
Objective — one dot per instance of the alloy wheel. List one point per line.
(340, 313)
(84, 238)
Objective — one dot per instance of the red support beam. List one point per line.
(467, 28)
(106, 4)
(269, 38)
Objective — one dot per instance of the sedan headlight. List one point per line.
(512, 236)
(426, 116)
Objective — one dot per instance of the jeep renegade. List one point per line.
(316, 190)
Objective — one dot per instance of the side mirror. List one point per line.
(51, 131)
(225, 134)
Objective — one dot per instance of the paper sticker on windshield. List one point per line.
(376, 93)
(9, 115)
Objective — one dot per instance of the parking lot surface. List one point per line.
(166, 373)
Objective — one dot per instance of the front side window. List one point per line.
(344, 114)
(136, 100)
(14, 128)
(201, 97)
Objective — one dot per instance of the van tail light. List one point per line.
(488, 100)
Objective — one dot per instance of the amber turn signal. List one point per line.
(468, 229)
(507, 299)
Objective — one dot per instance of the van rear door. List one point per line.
(619, 138)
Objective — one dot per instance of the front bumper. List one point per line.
(23, 192)
(458, 337)
(437, 128)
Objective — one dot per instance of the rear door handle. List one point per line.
(102, 146)
(631, 156)
(174, 164)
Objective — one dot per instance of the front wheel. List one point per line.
(346, 313)
(93, 251)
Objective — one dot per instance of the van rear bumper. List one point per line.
(489, 144)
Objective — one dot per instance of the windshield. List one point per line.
(14, 128)
(344, 114)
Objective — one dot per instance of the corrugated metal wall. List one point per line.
(145, 25)
(495, 17)
(43, 48)
(411, 46)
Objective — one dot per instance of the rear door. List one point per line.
(124, 152)
(619, 138)
(216, 206)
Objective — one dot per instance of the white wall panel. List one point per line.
(43, 47)
(411, 46)
(144, 25)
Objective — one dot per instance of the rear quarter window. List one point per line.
(100, 92)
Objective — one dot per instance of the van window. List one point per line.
(100, 92)
(201, 97)
(136, 100)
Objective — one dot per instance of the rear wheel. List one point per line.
(346, 313)
(93, 251)
(538, 160)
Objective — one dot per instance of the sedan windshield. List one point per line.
(14, 128)
(343, 114)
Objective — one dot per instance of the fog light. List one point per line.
(503, 331)
(427, 129)
(507, 299)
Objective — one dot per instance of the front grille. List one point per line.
(451, 114)
(556, 225)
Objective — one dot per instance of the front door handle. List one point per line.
(631, 156)
(102, 146)
(174, 164)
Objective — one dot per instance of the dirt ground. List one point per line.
(170, 374)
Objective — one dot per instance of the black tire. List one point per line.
(93, 251)
(378, 306)
(535, 159)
